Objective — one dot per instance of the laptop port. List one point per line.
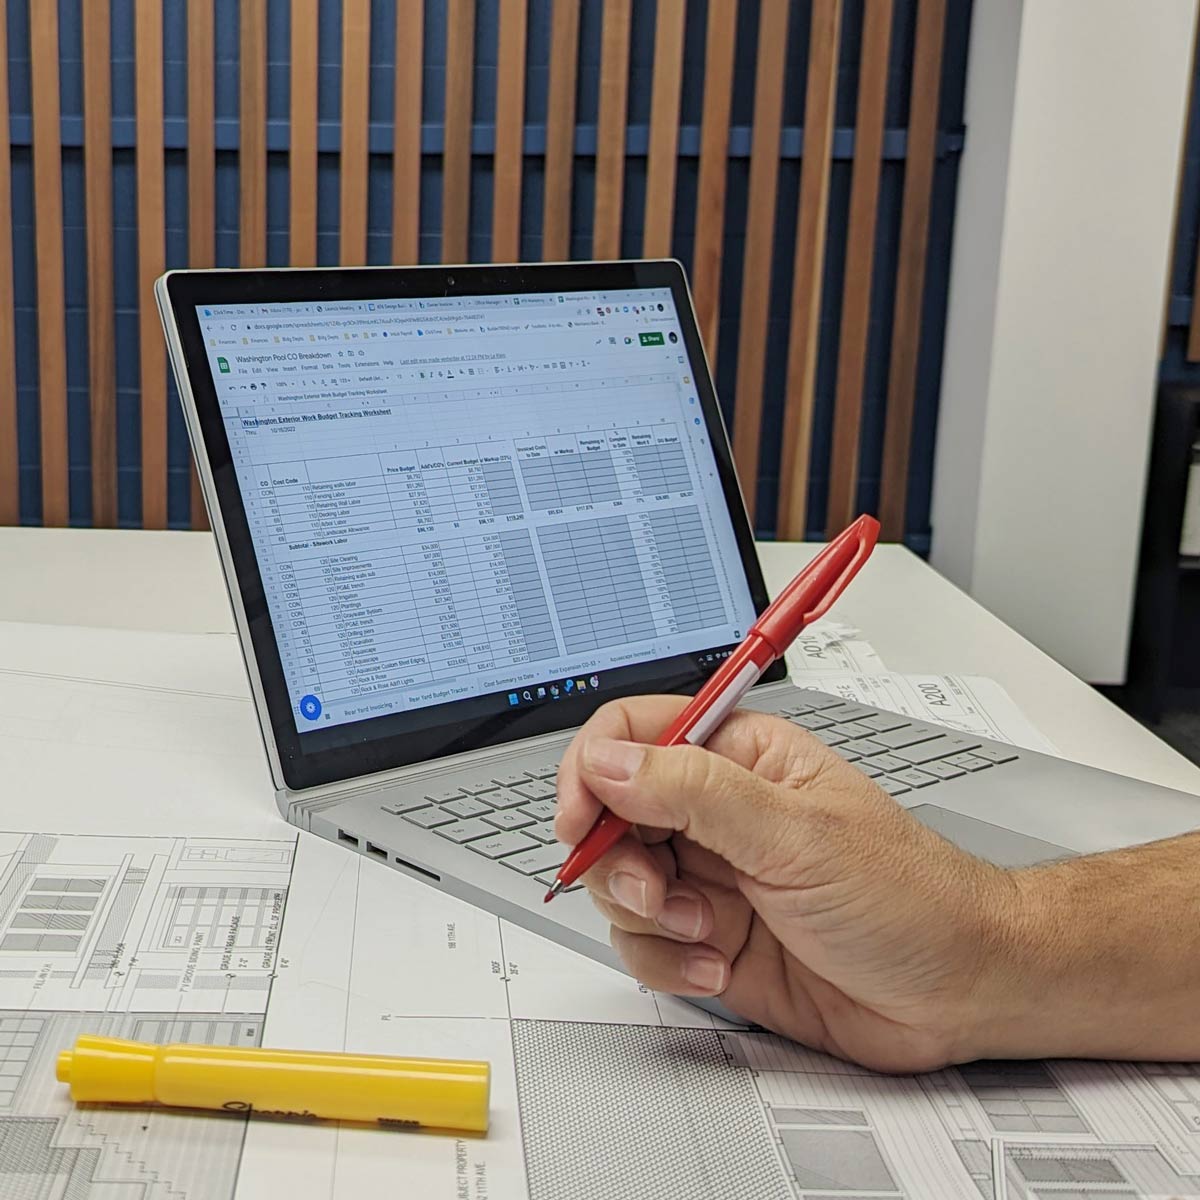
(375, 850)
(401, 862)
(348, 838)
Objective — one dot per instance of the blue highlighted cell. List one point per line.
(310, 707)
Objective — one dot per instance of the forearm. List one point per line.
(1098, 957)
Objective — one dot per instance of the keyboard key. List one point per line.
(544, 858)
(536, 789)
(502, 844)
(882, 722)
(866, 747)
(466, 831)
(511, 779)
(444, 795)
(812, 722)
(914, 778)
(829, 736)
(869, 770)
(504, 798)
(468, 806)
(545, 771)
(893, 787)
(846, 711)
(909, 735)
(943, 770)
(939, 747)
(796, 710)
(397, 808)
(479, 787)
(429, 818)
(819, 701)
(854, 729)
(844, 751)
(543, 832)
(995, 754)
(512, 818)
(968, 762)
(541, 810)
(889, 762)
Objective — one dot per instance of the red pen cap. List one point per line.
(811, 594)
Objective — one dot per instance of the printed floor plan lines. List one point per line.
(130, 924)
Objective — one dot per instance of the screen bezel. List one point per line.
(371, 745)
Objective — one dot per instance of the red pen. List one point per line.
(809, 596)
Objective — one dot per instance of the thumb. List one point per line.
(720, 805)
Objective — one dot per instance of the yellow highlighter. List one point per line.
(431, 1093)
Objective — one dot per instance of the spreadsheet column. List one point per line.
(683, 551)
(344, 496)
(405, 481)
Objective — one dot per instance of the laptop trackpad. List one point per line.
(994, 843)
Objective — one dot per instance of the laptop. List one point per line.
(460, 508)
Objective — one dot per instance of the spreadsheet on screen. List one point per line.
(449, 497)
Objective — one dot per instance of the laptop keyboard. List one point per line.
(508, 815)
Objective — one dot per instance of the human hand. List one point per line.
(767, 870)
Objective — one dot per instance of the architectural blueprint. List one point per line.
(157, 939)
(602, 1088)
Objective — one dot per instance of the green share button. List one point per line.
(650, 339)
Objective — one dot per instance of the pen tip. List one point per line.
(558, 887)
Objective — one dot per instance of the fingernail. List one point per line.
(613, 760)
(681, 915)
(628, 891)
(706, 973)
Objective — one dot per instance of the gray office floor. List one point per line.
(1180, 726)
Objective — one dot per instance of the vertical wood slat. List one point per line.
(97, 184)
(10, 480)
(51, 300)
(356, 82)
(148, 43)
(819, 104)
(760, 243)
(456, 159)
(406, 126)
(658, 223)
(201, 168)
(910, 268)
(714, 164)
(510, 131)
(560, 131)
(610, 129)
(860, 259)
(302, 136)
(252, 133)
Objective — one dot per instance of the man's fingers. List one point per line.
(677, 967)
(722, 806)
(683, 914)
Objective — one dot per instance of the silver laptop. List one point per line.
(460, 508)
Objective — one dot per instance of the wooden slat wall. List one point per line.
(302, 147)
(151, 205)
(456, 161)
(610, 129)
(809, 266)
(770, 22)
(560, 131)
(860, 261)
(510, 132)
(760, 243)
(714, 164)
(201, 167)
(97, 186)
(52, 309)
(910, 271)
(10, 477)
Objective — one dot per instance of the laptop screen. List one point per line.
(507, 498)
(459, 506)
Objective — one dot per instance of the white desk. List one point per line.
(916, 620)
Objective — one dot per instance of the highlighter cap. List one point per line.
(110, 1070)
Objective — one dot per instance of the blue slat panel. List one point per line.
(380, 199)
